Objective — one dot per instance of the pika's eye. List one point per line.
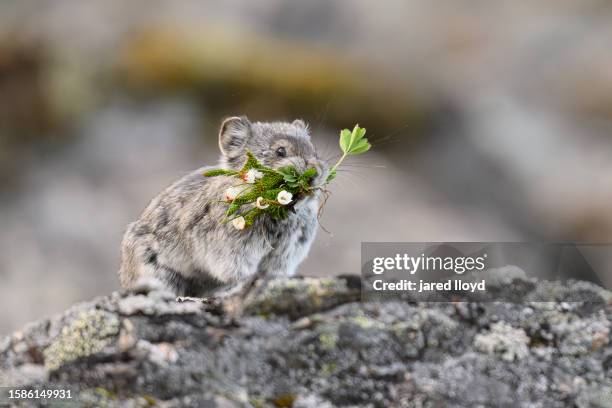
(281, 152)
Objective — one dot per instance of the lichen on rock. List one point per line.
(503, 338)
(89, 333)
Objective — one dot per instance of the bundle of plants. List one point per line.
(263, 190)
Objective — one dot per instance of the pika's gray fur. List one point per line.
(181, 241)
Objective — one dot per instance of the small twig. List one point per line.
(326, 194)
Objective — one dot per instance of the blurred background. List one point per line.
(490, 120)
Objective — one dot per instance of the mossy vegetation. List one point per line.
(269, 191)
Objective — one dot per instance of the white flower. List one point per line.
(233, 192)
(252, 175)
(239, 223)
(284, 197)
(259, 204)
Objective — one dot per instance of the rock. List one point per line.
(313, 343)
(595, 397)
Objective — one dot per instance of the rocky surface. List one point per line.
(313, 343)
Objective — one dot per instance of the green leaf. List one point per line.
(288, 172)
(309, 173)
(361, 146)
(345, 140)
(219, 172)
(306, 177)
(354, 142)
(360, 131)
(354, 136)
(290, 175)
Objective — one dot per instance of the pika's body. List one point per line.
(181, 240)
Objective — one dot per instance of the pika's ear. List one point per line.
(233, 135)
(300, 123)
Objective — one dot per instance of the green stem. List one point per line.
(333, 169)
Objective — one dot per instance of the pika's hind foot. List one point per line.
(182, 299)
(235, 299)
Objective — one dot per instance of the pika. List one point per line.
(181, 241)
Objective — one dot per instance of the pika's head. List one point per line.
(274, 144)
